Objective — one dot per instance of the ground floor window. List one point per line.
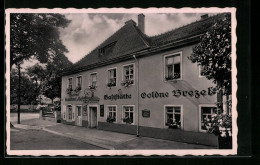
(64, 112)
(128, 114)
(206, 115)
(111, 114)
(173, 117)
(78, 110)
(69, 112)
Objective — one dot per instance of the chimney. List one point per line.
(204, 16)
(141, 22)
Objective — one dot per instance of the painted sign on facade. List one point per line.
(177, 93)
(117, 97)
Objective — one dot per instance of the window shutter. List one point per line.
(73, 112)
(64, 112)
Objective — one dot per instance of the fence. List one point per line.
(50, 114)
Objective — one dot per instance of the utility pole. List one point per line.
(19, 96)
(137, 126)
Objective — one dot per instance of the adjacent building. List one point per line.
(142, 85)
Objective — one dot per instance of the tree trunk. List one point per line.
(219, 100)
(19, 96)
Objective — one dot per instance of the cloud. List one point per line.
(87, 31)
(161, 23)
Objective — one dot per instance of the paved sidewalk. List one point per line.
(106, 139)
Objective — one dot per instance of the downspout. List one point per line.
(137, 126)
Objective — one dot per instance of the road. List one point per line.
(40, 140)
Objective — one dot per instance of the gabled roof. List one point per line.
(193, 29)
(129, 39)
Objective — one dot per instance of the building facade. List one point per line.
(142, 85)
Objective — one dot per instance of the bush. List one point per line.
(221, 126)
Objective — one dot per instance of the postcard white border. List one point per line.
(177, 152)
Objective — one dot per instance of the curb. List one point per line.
(22, 126)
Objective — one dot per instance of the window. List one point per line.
(78, 110)
(79, 82)
(70, 83)
(173, 67)
(111, 112)
(69, 112)
(106, 49)
(206, 115)
(112, 76)
(64, 112)
(93, 79)
(202, 71)
(128, 73)
(128, 114)
(102, 51)
(173, 117)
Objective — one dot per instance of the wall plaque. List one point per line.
(146, 113)
(101, 110)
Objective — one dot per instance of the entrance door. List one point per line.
(79, 115)
(93, 117)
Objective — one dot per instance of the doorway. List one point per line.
(93, 116)
(79, 115)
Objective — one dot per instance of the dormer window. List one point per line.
(102, 51)
(106, 49)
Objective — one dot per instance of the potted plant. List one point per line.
(221, 126)
(92, 87)
(173, 77)
(77, 89)
(127, 83)
(168, 78)
(69, 90)
(111, 119)
(111, 84)
(127, 120)
(172, 123)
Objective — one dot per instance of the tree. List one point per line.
(54, 69)
(27, 96)
(37, 77)
(34, 35)
(214, 53)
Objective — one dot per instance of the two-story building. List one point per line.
(142, 85)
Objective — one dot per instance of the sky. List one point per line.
(87, 30)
